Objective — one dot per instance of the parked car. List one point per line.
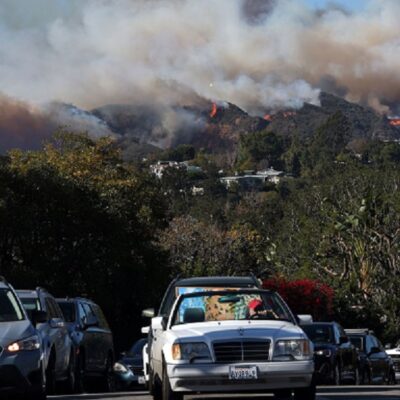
(223, 341)
(186, 285)
(93, 341)
(59, 356)
(394, 354)
(336, 359)
(375, 364)
(129, 368)
(22, 371)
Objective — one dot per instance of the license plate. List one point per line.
(243, 373)
(141, 380)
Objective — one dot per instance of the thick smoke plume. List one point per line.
(258, 54)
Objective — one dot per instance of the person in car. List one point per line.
(257, 309)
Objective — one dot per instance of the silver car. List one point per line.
(22, 370)
(230, 341)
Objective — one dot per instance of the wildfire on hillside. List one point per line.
(394, 121)
(214, 110)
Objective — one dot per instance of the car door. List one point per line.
(373, 358)
(58, 334)
(104, 336)
(94, 351)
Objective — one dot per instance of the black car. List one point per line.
(93, 342)
(336, 359)
(59, 354)
(375, 364)
(129, 368)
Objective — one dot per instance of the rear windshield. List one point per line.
(9, 307)
(357, 342)
(68, 309)
(319, 333)
(30, 304)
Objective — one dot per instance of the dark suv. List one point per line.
(335, 357)
(375, 365)
(22, 371)
(93, 342)
(59, 356)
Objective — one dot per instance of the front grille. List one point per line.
(241, 350)
(136, 370)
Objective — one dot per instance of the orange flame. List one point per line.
(394, 121)
(268, 117)
(214, 110)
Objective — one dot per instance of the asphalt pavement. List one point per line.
(324, 393)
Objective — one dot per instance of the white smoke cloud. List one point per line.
(256, 54)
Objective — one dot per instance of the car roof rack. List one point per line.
(359, 331)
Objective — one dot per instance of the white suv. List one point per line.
(235, 340)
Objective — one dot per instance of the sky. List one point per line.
(352, 5)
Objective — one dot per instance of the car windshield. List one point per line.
(319, 333)
(136, 349)
(30, 304)
(68, 310)
(231, 305)
(357, 342)
(9, 307)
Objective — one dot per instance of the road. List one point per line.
(324, 393)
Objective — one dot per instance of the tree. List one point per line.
(77, 220)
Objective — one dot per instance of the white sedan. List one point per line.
(225, 341)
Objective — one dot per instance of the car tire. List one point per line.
(38, 392)
(366, 377)
(70, 382)
(356, 380)
(154, 386)
(284, 394)
(108, 377)
(391, 380)
(80, 373)
(309, 393)
(336, 375)
(167, 392)
(51, 374)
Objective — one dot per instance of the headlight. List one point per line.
(292, 350)
(118, 367)
(324, 352)
(28, 344)
(190, 351)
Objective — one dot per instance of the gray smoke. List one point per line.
(258, 54)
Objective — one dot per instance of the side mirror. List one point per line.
(375, 350)
(56, 323)
(90, 321)
(148, 313)
(304, 319)
(388, 346)
(145, 330)
(159, 323)
(39, 317)
(343, 340)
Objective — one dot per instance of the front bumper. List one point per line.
(324, 372)
(215, 377)
(20, 372)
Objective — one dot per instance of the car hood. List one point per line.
(222, 330)
(393, 352)
(323, 346)
(134, 361)
(15, 330)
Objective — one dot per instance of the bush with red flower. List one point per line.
(304, 296)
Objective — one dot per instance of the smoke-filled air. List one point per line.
(257, 54)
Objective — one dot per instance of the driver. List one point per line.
(257, 308)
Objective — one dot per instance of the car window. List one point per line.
(369, 343)
(52, 311)
(10, 309)
(100, 317)
(229, 306)
(68, 310)
(81, 312)
(136, 349)
(319, 333)
(357, 342)
(88, 310)
(31, 304)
